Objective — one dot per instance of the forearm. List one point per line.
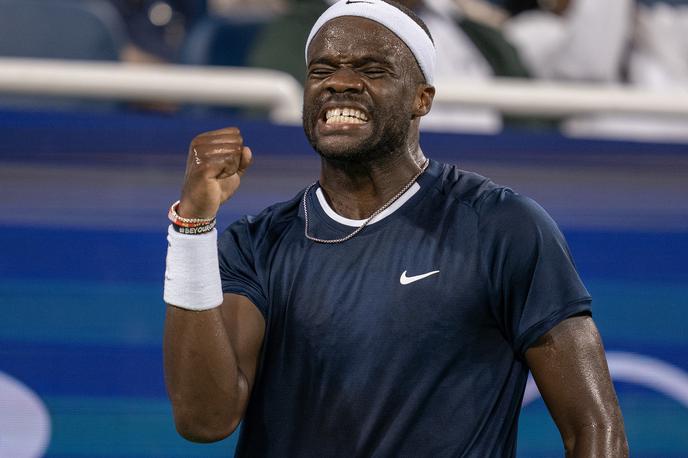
(598, 440)
(205, 384)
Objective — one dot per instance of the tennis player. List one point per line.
(394, 307)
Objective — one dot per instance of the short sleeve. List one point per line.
(237, 264)
(534, 284)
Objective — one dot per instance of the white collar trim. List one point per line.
(357, 222)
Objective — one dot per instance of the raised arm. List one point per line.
(212, 341)
(570, 369)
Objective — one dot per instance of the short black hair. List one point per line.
(410, 13)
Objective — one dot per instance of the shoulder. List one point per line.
(498, 208)
(516, 227)
(512, 212)
(469, 188)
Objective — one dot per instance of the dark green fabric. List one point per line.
(505, 62)
(499, 53)
(280, 45)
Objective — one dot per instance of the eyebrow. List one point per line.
(356, 61)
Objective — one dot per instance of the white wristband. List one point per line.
(192, 274)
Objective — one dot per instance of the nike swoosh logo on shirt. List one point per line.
(404, 280)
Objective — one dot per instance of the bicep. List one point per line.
(570, 369)
(245, 327)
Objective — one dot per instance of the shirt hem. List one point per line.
(532, 334)
(257, 301)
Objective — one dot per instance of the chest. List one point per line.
(397, 288)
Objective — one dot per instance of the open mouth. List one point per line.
(339, 115)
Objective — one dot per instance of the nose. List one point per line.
(344, 80)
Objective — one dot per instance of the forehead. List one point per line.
(357, 38)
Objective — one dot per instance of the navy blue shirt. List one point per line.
(356, 364)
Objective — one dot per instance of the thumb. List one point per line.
(246, 160)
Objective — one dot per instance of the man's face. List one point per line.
(359, 92)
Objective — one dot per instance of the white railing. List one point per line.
(242, 87)
(558, 99)
(281, 94)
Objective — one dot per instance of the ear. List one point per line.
(423, 100)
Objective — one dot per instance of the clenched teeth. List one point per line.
(345, 116)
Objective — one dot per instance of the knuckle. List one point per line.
(199, 138)
(232, 160)
(233, 149)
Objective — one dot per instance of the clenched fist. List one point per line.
(216, 162)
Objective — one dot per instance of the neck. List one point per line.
(357, 190)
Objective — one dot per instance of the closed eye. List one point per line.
(375, 72)
(320, 72)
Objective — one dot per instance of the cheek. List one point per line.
(312, 92)
(395, 98)
(307, 96)
(309, 102)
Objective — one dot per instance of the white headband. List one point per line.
(391, 17)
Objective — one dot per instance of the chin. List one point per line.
(342, 150)
(359, 143)
(344, 145)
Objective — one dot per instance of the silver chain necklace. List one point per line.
(369, 219)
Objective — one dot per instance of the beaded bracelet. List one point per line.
(186, 222)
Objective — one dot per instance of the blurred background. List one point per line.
(580, 104)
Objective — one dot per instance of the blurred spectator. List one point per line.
(643, 44)
(658, 61)
(659, 57)
(251, 8)
(578, 40)
(157, 28)
(468, 50)
(157, 31)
